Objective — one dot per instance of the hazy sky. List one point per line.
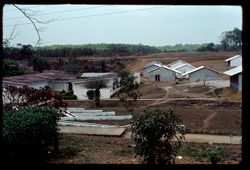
(146, 24)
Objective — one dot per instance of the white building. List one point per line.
(111, 80)
(235, 77)
(150, 66)
(202, 73)
(163, 73)
(234, 61)
(177, 63)
(183, 68)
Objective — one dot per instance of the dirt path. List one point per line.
(206, 121)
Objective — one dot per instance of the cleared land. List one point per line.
(203, 109)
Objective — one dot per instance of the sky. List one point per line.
(155, 25)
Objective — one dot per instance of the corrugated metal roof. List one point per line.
(104, 75)
(231, 58)
(180, 62)
(151, 63)
(165, 67)
(186, 64)
(234, 71)
(198, 68)
(37, 78)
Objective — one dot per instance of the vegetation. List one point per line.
(68, 95)
(11, 68)
(28, 133)
(129, 90)
(215, 154)
(19, 97)
(95, 84)
(153, 133)
(182, 47)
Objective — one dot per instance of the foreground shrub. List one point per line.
(153, 133)
(28, 133)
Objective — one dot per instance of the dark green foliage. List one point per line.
(153, 133)
(95, 84)
(129, 92)
(231, 40)
(215, 154)
(28, 133)
(181, 47)
(40, 64)
(10, 68)
(68, 95)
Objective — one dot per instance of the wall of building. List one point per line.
(57, 86)
(184, 69)
(165, 74)
(236, 62)
(236, 82)
(203, 74)
(146, 71)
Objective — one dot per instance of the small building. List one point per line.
(235, 77)
(163, 73)
(150, 66)
(183, 69)
(234, 61)
(137, 76)
(201, 73)
(176, 64)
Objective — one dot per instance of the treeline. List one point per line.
(182, 47)
(102, 50)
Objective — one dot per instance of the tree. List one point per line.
(231, 40)
(40, 64)
(153, 133)
(10, 68)
(129, 92)
(96, 84)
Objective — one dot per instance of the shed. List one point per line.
(234, 61)
(149, 66)
(235, 77)
(176, 64)
(163, 73)
(202, 73)
(183, 69)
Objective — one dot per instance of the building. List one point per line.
(111, 80)
(201, 73)
(235, 77)
(177, 63)
(163, 73)
(39, 80)
(137, 76)
(183, 68)
(234, 61)
(150, 66)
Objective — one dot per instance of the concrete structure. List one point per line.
(202, 73)
(235, 77)
(150, 66)
(234, 61)
(162, 73)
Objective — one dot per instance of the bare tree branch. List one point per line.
(33, 23)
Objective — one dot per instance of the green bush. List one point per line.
(215, 154)
(90, 94)
(28, 133)
(153, 132)
(68, 95)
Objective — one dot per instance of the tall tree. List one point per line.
(129, 92)
(231, 40)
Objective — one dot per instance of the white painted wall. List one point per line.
(146, 70)
(235, 62)
(165, 74)
(203, 74)
(57, 86)
(240, 82)
(137, 77)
